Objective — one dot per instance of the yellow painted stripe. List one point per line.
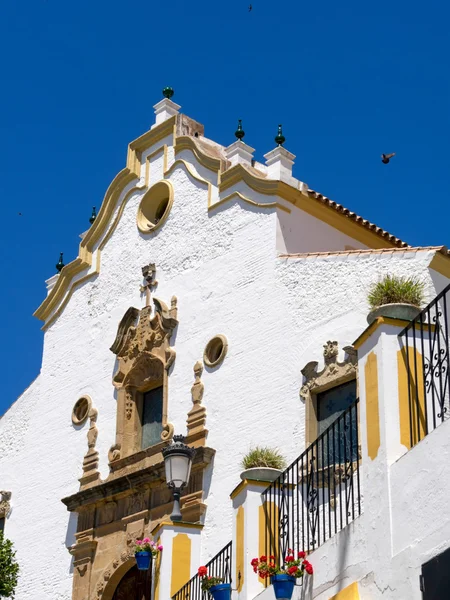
(351, 592)
(372, 408)
(272, 536)
(181, 562)
(240, 551)
(411, 404)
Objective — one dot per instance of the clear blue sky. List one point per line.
(348, 80)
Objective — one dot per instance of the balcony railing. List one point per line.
(425, 348)
(219, 566)
(319, 493)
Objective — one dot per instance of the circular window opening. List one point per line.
(155, 206)
(215, 350)
(81, 410)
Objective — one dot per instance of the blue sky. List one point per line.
(348, 80)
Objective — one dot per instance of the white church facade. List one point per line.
(221, 298)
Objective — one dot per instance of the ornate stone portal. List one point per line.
(134, 498)
(333, 373)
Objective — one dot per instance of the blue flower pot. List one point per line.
(222, 591)
(143, 560)
(283, 586)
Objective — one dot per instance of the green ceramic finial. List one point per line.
(59, 265)
(280, 139)
(93, 216)
(168, 92)
(239, 133)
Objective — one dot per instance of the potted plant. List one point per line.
(144, 551)
(283, 579)
(262, 464)
(214, 585)
(395, 297)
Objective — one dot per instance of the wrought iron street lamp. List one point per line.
(178, 461)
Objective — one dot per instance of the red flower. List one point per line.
(301, 555)
(290, 558)
(309, 569)
(263, 558)
(254, 562)
(272, 557)
(255, 570)
(202, 571)
(290, 551)
(292, 570)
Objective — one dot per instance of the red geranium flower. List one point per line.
(254, 562)
(290, 558)
(202, 571)
(263, 558)
(255, 570)
(309, 569)
(301, 555)
(272, 557)
(292, 570)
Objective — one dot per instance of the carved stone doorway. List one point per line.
(134, 585)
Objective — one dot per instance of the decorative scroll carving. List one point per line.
(5, 505)
(90, 461)
(333, 371)
(197, 415)
(128, 319)
(114, 452)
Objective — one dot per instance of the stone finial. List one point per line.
(165, 108)
(279, 138)
(239, 133)
(168, 92)
(197, 415)
(239, 153)
(90, 462)
(279, 163)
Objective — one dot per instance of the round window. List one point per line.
(155, 206)
(215, 350)
(81, 410)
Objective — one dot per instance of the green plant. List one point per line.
(392, 289)
(146, 545)
(207, 581)
(262, 456)
(9, 569)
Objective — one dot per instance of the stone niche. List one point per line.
(134, 498)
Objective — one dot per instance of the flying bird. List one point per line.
(250, 8)
(20, 214)
(385, 158)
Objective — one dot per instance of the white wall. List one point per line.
(222, 266)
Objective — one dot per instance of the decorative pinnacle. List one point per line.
(60, 265)
(280, 139)
(168, 92)
(239, 133)
(93, 216)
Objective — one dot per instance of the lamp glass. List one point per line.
(178, 469)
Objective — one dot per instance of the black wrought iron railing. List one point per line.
(219, 566)
(319, 493)
(425, 350)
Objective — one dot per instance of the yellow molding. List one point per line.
(372, 409)
(184, 142)
(182, 524)
(245, 483)
(249, 201)
(411, 398)
(191, 172)
(351, 592)
(314, 208)
(400, 323)
(137, 146)
(441, 264)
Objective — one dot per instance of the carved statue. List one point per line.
(5, 506)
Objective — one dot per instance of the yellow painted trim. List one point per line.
(148, 139)
(163, 150)
(372, 408)
(156, 530)
(157, 576)
(191, 172)
(181, 562)
(240, 549)
(351, 592)
(314, 208)
(245, 483)
(417, 404)
(400, 323)
(184, 142)
(248, 201)
(441, 264)
(273, 510)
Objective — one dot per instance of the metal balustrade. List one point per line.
(319, 493)
(425, 352)
(219, 566)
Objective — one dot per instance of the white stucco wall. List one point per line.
(222, 266)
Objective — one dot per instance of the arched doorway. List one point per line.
(134, 585)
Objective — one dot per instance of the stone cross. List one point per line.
(148, 272)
